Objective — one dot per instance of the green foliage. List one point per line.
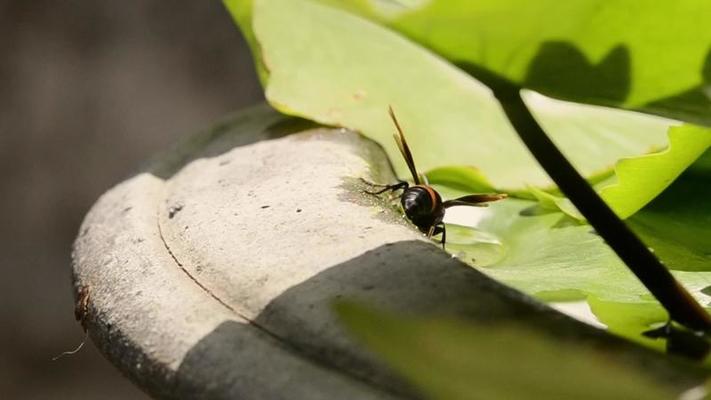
(357, 69)
(634, 54)
(553, 256)
(633, 186)
(451, 359)
(343, 62)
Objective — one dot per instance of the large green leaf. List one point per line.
(551, 255)
(638, 180)
(630, 319)
(631, 53)
(450, 359)
(635, 186)
(677, 224)
(335, 68)
(548, 254)
(242, 14)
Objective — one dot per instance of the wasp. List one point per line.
(422, 204)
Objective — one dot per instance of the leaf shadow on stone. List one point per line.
(240, 129)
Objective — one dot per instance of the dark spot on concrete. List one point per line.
(298, 210)
(265, 207)
(224, 162)
(127, 209)
(174, 210)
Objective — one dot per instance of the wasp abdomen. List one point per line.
(422, 205)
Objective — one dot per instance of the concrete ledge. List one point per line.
(211, 272)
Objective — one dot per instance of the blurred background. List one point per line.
(88, 90)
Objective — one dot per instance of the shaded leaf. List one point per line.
(451, 359)
(677, 224)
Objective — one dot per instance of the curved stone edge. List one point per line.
(128, 289)
(146, 315)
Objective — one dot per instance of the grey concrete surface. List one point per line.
(212, 272)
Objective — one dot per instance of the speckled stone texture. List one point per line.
(211, 272)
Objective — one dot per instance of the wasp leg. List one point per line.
(393, 187)
(441, 229)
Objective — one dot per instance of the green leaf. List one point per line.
(452, 359)
(336, 68)
(677, 224)
(552, 202)
(631, 319)
(635, 186)
(468, 179)
(546, 253)
(638, 180)
(632, 54)
(542, 243)
(241, 11)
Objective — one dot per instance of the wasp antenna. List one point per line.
(404, 148)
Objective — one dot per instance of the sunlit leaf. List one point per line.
(633, 54)
(638, 180)
(335, 68)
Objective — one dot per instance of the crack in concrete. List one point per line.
(323, 363)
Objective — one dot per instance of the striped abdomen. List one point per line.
(423, 206)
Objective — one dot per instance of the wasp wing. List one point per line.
(404, 148)
(476, 200)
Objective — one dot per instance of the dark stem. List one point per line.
(682, 307)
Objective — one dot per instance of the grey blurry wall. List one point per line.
(89, 89)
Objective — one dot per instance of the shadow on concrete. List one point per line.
(240, 129)
(408, 278)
